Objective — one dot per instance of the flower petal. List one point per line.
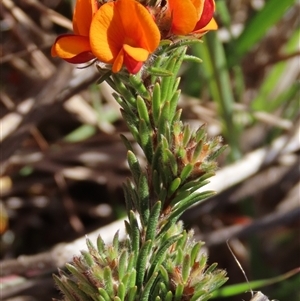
(106, 33)
(82, 18)
(119, 24)
(184, 16)
(139, 26)
(138, 54)
(206, 14)
(118, 63)
(131, 64)
(212, 25)
(198, 4)
(73, 48)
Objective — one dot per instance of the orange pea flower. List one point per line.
(75, 48)
(191, 16)
(123, 33)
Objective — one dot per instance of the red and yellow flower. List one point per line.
(123, 33)
(75, 48)
(191, 16)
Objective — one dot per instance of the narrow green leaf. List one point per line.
(161, 72)
(163, 288)
(128, 201)
(179, 292)
(174, 186)
(124, 91)
(180, 197)
(88, 258)
(130, 194)
(177, 116)
(174, 103)
(181, 243)
(190, 201)
(60, 283)
(138, 85)
(132, 278)
(260, 23)
(186, 172)
(122, 265)
(103, 77)
(167, 82)
(145, 135)
(153, 221)
(143, 192)
(108, 280)
(198, 294)
(211, 268)
(164, 273)
(132, 293)
(142, 109)
(192, 58)
(142, 262)
(75, 291)
(81, 133)
(171, 161)
(135, 231)
(187, 134)
(125, 280)
(148, 287)
(115, 243)
(156, 103)
(132, 124)
(156, 182)
(127, 143)
(217, 77)
(159, 256)
(121, 291)
(134, 166)
(77, 274)
(163, 119)
(197, 151)
(184, 42)
(179, 256)
(196, 251)
(103, 293)
(163, 195)
(234, 289)
(270, 95)
(169, 296)
(186, 266)
(179, 55)
(201, 133)
(92, 250)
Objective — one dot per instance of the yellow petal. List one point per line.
(138, 54)
(69, 46)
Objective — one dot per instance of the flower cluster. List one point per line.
(126, 32)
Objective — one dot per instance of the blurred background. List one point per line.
(63, 163)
